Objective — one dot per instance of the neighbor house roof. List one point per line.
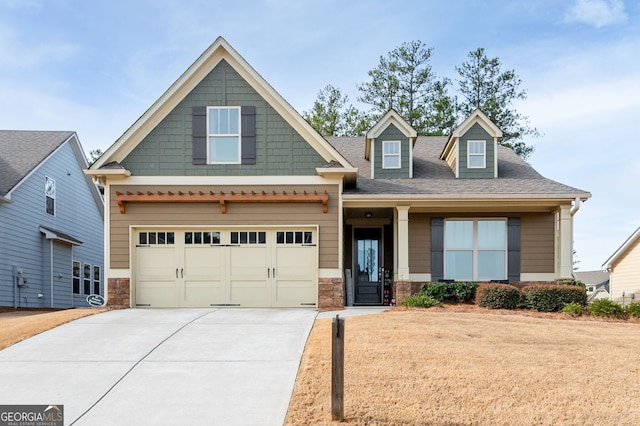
(622, 249)
(432, 177)
(21, 151)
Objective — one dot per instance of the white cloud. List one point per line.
(598, 13)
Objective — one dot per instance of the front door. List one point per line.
(368, 250)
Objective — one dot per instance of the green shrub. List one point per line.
(552, 298)
(452, 292)
(573, 282)
(420, 300)
(606, 308)
(633, 308)
(573, 309)
(498, 296)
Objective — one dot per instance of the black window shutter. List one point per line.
(248, 136)
(513, 249)
(199, 135)
(437, 248)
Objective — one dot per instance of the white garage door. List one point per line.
(249, 268)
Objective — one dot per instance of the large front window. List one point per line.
(475, 249)
(223, 135)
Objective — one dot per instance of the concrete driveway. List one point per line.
(162, 366)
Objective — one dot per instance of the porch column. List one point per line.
(403, 243)
(565, 243)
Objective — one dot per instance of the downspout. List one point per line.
(51, 271)
(576, 206)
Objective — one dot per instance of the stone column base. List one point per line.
(119, 296)
(330, 292)
(401, 290)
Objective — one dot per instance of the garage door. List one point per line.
(204, 268)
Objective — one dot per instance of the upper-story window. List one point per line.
(476, 154)
(50, 195)
(391, 154)
(223, 135)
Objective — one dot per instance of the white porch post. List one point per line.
(403, 243)
(565, 243)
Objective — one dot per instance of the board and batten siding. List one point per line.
(23, 245)
(536, 240)
(167, 149)
(626, 275)
(238, 214)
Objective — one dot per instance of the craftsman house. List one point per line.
(51, 222)
(624, 269)
(221, 194)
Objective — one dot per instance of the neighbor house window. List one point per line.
(223, 135)
(96, 279)
(76, 277)
(86, 278)
(476, 154)
(50, 195)
(390, 154)
(475, 249)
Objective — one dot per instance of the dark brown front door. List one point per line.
(367, 255)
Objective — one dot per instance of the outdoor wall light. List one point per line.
(368, 215)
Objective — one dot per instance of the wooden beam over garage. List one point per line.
(222, 198)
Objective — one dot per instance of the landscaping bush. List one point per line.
(498, 296)
(606, 308)
(552, 298)
(420, 300)
(634, 309)
(573, 309)
(573, 282)
(452, 292)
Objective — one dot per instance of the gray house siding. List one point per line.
(476, 132)
(391, 133)
(23, 245)
(279, 149)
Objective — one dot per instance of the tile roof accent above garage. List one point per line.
(433, 176)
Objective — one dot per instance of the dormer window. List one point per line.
(223, 135)
(476, 154)
(391, 155)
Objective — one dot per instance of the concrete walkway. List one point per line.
(162, 366)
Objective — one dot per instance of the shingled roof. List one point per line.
(22, 150)
(432, 176)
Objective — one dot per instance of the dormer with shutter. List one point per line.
(389, 147)
(472, 149)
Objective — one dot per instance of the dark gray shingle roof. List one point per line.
(431, 175)
(22, 150)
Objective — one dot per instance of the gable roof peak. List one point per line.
(218, 51)
(391, 117)
(477, 116)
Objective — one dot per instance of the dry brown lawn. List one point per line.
(16, 326)
(472, 366)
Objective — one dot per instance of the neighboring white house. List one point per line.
(624, 269)
(597, 283)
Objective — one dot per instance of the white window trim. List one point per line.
(83, 279)
(52, 196)
(475, 249)
(239, 135)
(93, 279)
(79, 277)
(483, 155)
(385, 156)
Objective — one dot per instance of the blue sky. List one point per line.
(95, 66)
